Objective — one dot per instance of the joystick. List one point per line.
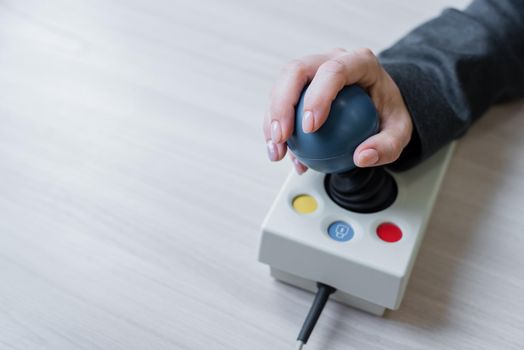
(347, 233)
(352, 119)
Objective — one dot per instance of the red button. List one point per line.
(389, 232)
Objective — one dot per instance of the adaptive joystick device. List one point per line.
(352, 233)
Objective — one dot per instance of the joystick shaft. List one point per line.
(362, 190)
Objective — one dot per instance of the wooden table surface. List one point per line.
(134, 180)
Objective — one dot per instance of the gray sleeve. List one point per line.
(451, 69)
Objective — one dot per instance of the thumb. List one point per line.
(382, 148)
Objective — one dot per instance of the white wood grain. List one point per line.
(134, 180)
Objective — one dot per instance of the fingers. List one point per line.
(386, 146)
(299, 167)
(285, 94)
(279, 121)
(343, 69)
(275, 151)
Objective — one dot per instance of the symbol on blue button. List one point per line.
(340, 231)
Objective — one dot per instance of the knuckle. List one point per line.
(337, 51)
(368, 61)
(334, 66)
(365, 52)
(367, 56)
(295, 67)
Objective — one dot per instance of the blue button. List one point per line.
(340, 231)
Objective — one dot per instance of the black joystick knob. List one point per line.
(352, 119)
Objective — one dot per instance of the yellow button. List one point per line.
(304, 204)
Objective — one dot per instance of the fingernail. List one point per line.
(307, 122)
(367, 157)
(272, 151)
(276, 131)
(299, 167)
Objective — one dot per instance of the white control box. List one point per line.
(368, 258)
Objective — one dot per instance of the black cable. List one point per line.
(322, 296)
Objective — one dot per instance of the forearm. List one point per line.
(451, 69)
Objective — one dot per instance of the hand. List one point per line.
(327, 75)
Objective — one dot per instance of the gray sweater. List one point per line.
(451, 69)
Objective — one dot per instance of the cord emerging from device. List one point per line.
(322, 296)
